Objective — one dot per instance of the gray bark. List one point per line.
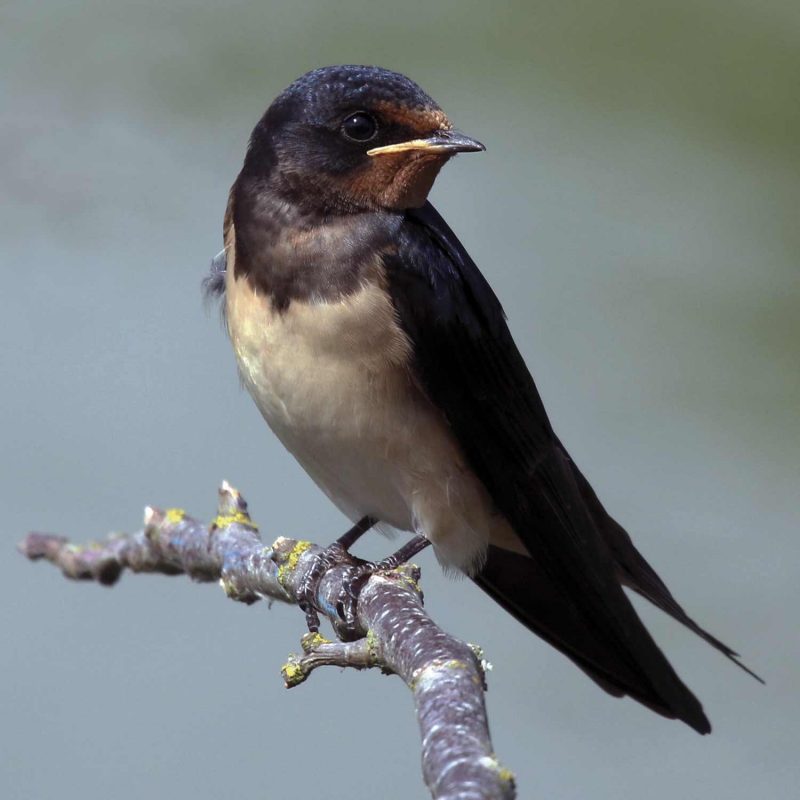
(390, 629)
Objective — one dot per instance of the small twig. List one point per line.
(320, 652)
(391, 629)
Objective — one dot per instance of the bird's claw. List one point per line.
(347, 603)
(358, 573)
(332, 556)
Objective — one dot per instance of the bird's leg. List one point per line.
(347, 540)
(405, 553)
(333, 555)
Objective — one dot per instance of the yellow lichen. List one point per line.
(410, 582)
(291, 559)
(404, 574)
(239, 517)
(312, 640)
(503, 773)
(372, 645)
(292, 672)
(174, 515)
(506, 775)
(434, 666)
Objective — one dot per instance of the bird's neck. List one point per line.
(291, 249)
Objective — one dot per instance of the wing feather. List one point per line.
(569, 590)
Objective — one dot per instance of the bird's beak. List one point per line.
(445, 142)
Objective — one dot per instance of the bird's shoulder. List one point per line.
(431, 273)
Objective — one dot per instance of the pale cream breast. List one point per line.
(332, 380)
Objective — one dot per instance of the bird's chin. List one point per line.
(396, 181)
(412, 181)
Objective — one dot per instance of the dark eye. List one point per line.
(360, 127)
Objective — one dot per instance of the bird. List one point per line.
(381, 358)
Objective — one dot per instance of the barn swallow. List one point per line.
(380, 357)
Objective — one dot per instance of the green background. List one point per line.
(636, 211)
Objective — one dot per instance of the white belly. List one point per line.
(332, 381)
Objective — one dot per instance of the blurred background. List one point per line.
(636, 211)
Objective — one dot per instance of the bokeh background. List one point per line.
(637, 212)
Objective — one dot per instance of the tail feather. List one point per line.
(518, 584)
(531, 590)
(635, 573)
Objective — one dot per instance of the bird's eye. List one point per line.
(360, 127)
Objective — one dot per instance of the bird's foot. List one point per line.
(352, 584)
(332, 556)
(336, 554)
(358, 573)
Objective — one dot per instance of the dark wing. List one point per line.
(466, 359)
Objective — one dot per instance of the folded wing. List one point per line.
(569, 590)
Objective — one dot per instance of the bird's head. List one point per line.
(351, 137)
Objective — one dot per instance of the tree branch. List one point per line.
(391, 629)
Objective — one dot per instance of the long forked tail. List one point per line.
(520, 586)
